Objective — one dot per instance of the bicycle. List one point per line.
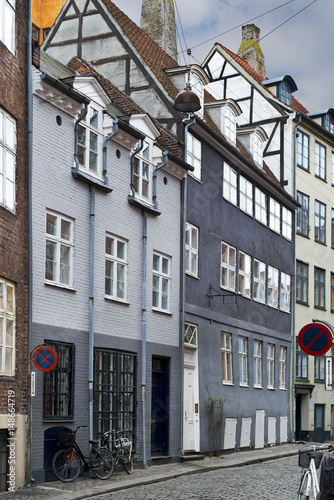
(121, 449)
(310, 459)
(69, 461)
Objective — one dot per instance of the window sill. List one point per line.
(303, 235)
(192, 275)
(283, 389)
(92, 181)
(136, 202)
(244, 385)
(57, 285)
(271, 388)
(319, 381)
(302, 303)
(161, 311)
(228, 383)
(258, 387)
(320, 307)
(118, 301)
(320, 242)
(259, 301)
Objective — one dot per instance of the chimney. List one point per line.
(158, 21)
(250, 50)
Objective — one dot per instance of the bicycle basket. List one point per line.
(66, 440)
(305, 458)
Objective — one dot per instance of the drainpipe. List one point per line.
(30, 241)
(183, 276)
(143, 362)
(91, 314)
(105, 171)
(293, 426)
(155, 203)
(76, 126)
(141, 145)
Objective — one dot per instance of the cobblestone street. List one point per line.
(278, 479)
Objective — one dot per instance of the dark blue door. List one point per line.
(160, 407)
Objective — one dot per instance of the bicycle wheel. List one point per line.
(66, 465)
(304, 486)
(102, 463)
(127, 462)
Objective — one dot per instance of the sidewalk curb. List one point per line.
(122, 485)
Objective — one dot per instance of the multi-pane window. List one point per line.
(230, 184)
(301, 363)
(302, 282)
(332, 292)
(245, 269)
(59, 384)
(260, 206)
(319, 368)
(7, 328)
(59, 250)
(259, 281)
(243, 360)
(319, 222)
(303, 142)
(257, 363)
(229, 124)
(115, 267)
(226, 349)
(319, 287)
(257, 149)
(285, 292)
(7, 158)
(274, 215)
(228, 267)
(328, 122)
(332, 228)
(303, 214)
(332, 165)
(273, 283)
(191, 249)
(282, 367)
(320, 161)
(7, 23)
(194, 155)
(246, 196)
(286, 223)
(284, 93)
(114, 392)
(161, 282)
(190, 334)
(142, 172)
(271, 365)
(90, 142)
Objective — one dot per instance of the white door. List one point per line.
(259, 429)
(190, 408)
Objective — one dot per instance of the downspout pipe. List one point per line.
(105, 170)
(155, 203)
(183, 276)
(76, 133)
(30, 226)
(294, 288)
(91, 315)
(136, 151)
(143, 362)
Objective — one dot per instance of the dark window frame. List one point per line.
(318, 216)
(302, 277)
(319, 285)
(303, 214)
(300, 356)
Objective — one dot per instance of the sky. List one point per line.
(301, 47)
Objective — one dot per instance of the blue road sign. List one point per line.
(45, 359)
(315, 339)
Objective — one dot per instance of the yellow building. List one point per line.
(44, 13)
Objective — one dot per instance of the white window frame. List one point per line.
(282, 367)
(273, 286)
(286, 223)
(194, 156)
(59, 243)
(259, 281)
(192, 250)
(230, 184)
(243, 361)
(91, 127)
(116, 265)
(257, 149)
(226, 350)
(245, 195)
(7, 328)
(230, 124)
(320, 160)
(260, 206)
(275, 215)
(143, 172)
(7, 159)
(332, 167)
(257, 363)
(7, 24)
(271, 365)
(228, 266)
(190, 335)
(303, 148)
(161, 281)
(245, 274)
(285, 292)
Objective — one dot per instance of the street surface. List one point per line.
(276, 479)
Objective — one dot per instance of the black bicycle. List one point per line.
(69, 461)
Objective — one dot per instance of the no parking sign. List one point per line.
(315, 339)
(45, 359)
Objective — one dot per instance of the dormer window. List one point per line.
(90, 139)
(325, 119)
(257, 148)
(142, 172)
(253, 139)
(230, 111)
(328, 122)
(285, 86)
(284, 93)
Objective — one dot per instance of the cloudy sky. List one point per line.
(301, 46)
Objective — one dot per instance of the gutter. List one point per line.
(183, 278)
(143, 361)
